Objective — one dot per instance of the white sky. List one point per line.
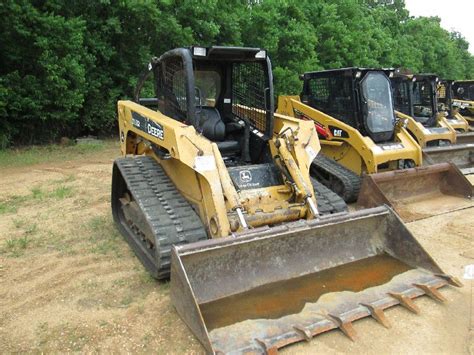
(455, 15)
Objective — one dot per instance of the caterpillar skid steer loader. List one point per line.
(416, 102)
(426, 103)
(450, 109)
(463, 99)
(353, 112)
(213, 190)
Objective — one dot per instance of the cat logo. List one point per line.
(338, 133)
(245, 176)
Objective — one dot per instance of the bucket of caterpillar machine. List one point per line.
(465, 138)
(417, 193)
(460, 154)
(269, 288)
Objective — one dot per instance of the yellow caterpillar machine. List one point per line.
(416, 102)
(418, 99)
(457, 99)
(450, 109)
(213, 190)
(463, 97)
(353, 112)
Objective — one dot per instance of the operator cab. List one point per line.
(359, 97)
(415, 96)
(226, 93)
(464, 90)
(444, 96)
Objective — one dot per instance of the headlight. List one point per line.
(261, 54)
(199, 51)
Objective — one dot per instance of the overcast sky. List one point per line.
(455, 15)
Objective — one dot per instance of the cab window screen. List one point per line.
(333, 96)
(402, 96)
(377, 99)
(422, 99)
(173, 100)
(470, 95)
(249, 81)
(209, 84)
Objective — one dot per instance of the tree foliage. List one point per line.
(64, 64)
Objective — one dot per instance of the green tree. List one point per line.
(65, 63)
(42, 72)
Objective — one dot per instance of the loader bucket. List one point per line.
(465, 138)
(460, 154)
(418, 192)
(262, 291)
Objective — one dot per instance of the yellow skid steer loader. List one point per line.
(353, 112)
(214, 188)
(463, 99)
(448, 108)
(416, 102)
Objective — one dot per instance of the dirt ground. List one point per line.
(69, 283)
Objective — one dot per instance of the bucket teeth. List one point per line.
(405, 301)
(345, 326)
(269, 349)
(432, 292)
(378, 314)
(305, 332)
(453, 281)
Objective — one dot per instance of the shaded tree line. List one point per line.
(64, 63)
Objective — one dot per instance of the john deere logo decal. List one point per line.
(245, 176)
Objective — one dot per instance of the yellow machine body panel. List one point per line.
(353, 150)
(468, 105)
(425, 135)
(195, 166)
(458, 122)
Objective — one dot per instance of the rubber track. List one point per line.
(169, 215)
(327, 200)
(325, 170)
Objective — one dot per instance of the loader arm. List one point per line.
(468, 110)
(182, 143)
(456, 122)
(465, 104)
(424, 134)
(337, 133)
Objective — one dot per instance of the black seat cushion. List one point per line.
(228, 146)
(213, 128)
(211, 124)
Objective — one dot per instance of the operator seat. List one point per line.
(213, 127)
